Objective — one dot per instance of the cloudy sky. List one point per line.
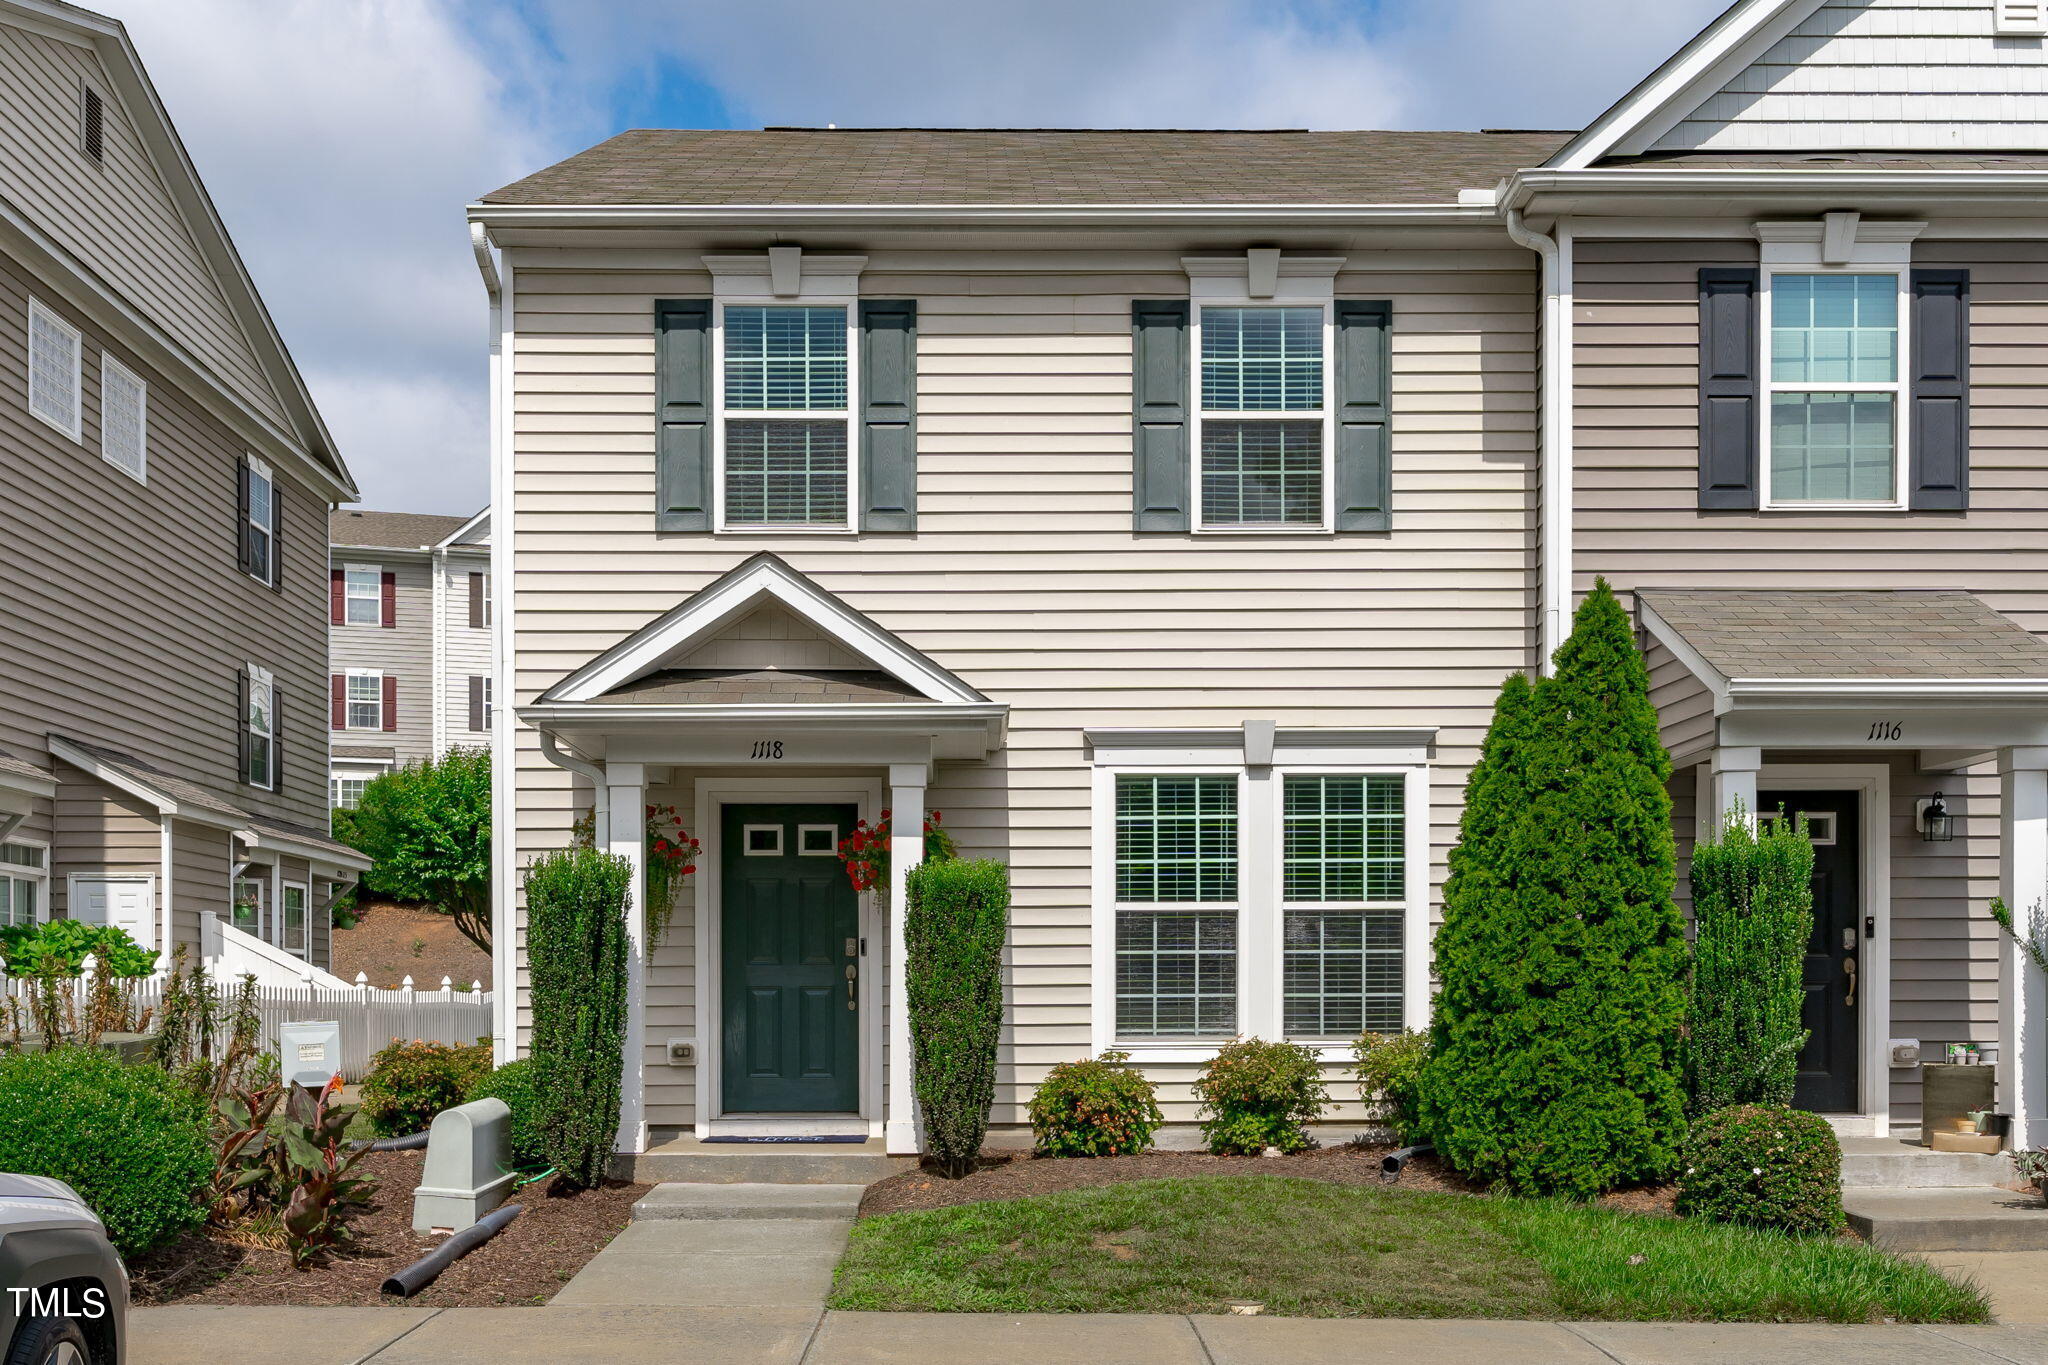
(341, 138)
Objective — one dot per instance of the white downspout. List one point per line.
(600, 825)
(167, 827)
(437, 565)
(1554, 572)
(504, 894)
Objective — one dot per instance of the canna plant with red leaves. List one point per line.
(865, 851)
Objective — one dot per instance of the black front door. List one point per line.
(790, 939)
(1829, 1064)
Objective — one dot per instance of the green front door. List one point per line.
(791, 948)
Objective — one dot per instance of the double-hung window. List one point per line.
(252, 895)
(261, 721)
(56, 358)
(259, 532)
(363, 595)
(365, 701)
(1263, 429)
(1834, 388)
(24, 883)
(348, 791)
(292, 914)
(786, 417)
(1176, 888)
(1343, 893)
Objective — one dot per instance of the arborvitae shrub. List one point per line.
(1257, 1094)
(954, 929)
(577, 961)
(1098, 1107)
(1752, 909)
(1764, 1165)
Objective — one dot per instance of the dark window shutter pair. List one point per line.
(337, 689)
(885, 409)
(245, 542)
(390, 701)
(387, 589)
(476, 601)
(337, 596)
(1161, 375)
(1731, 387)
(476, 702)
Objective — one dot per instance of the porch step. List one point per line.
(1983, 1219)
(749, 1202)
(1894, 1163)
(759, 1163)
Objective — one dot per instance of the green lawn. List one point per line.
(1306, 1248)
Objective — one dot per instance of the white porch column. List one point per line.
(906, 850)
(626, 795)
(1733, 776)
(2022, 992)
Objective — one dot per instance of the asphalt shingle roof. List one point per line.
(393, 530)
(177, 788)
(1757, 635)
(989, 166)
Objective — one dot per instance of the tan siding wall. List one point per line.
(1685, 708)
(1024, 576)
(202, 866)
(118, 216)
(129, 624)
(404, 651)
(100, 830)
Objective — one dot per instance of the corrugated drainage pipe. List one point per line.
(1392, 1162)
(410, 1142)
(428, 1268)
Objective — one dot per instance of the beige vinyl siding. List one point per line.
(1685, 708)
(467, 650)
(100, 831)
(404, 651)
(1024, 576)
(129, 625)
(202, 868)
(117, 216)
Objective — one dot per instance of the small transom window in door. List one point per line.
(763, 841)
(817, 841)
(1820, 825)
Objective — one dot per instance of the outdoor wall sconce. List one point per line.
(1937, 826)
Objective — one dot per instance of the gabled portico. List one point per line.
(766, 696)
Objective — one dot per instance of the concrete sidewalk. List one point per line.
(566, 1335)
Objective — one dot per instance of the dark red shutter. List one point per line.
(337, 686)
(390, 702)
(476, 601)
(390, 599)
(476, 702)
(337, 595)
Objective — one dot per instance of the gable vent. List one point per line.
(93, 125)
(2020, 18)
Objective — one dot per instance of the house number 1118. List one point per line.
(767, 748)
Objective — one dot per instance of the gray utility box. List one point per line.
(469, 1166)
(309, 1051)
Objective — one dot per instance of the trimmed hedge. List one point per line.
(1097, 1107)
(577, 960)
(1766, 1166)
(1257, 1094)
(129, 1139)
(410, 1082)
(954, 929)
(1752, 903)
(513, 1083)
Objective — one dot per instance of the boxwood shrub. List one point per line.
(1257, 1094)
(577, 960)
(409, 1083)
(1097, 1107)
(129, 1139)
(1389, 1070)
(513, 1083)
(1763, 1165)
(954, 928)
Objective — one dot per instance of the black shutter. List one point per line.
(476, 601)
(276, 534)
(276, 735)
(242, 726)
(1159, 429)
(682, 368)
(1940, 394)
(888, 435)
(1729, 360)
(244, 551)
(1364, 390)
(476, 702)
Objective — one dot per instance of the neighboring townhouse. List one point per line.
(409, 658)
(1165, 508)
(163, 675)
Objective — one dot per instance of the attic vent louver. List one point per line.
(2020, 18)
(93, 125)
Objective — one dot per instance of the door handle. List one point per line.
(1849, 969)
(851, 974)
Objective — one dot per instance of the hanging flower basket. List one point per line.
(671, 856)
(865, 851)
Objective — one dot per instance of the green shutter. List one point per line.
(888, 414)
(1159, 397)
(1364, 386)
(682, 369)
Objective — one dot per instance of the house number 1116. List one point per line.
(767, 748)
(1886, 729)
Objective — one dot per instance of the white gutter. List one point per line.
(504, 895)
(2021, 187)
(1554, 442)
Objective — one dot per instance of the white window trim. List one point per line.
(259, 877)
(305, 947)
(348, 702)
(258, 469)
(37, 310)
(1261, 1003)
(1326, 415)
(851, 304)
(348, 596)
(262, 677)
(108, 366)
(1900, 387)
(39, 875)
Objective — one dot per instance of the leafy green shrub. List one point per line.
(1752, 905)
(953, 932)
(129, 1139)
(1389, 1070)
(1554, 1048)
(1098, 1107)
(513, 1083)
(1764, 1165)
(1257, 1095)
(409, 1083)
(577, 961)
(427, 827)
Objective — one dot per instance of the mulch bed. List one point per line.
(391, 942)
(1009, 1174)
(551, 1239)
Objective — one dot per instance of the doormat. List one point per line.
(778, 1141)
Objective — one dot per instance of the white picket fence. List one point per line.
(369, 1018)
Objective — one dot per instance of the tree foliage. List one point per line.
(1752, 908)
(577, 961)
(954, 929)
(1554, 1063)
(427, 827)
